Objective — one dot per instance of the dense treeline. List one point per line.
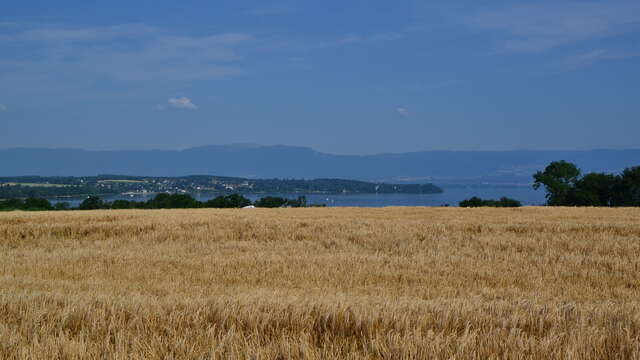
(478, 202)
(161, 201)
(184, 201)
(566, 187)
(31, 204)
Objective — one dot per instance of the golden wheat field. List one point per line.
(331, 283)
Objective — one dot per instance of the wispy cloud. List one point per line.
(60, 35)
(271, 9)
(597, 55)
(355, 38)
(550, 24)
(402, 111)
(117, 54)
(3, 107)
(182, 103)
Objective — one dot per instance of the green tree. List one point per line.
(559, 179)
(478, 202)
(629, 187)
(184, 201)
(37, 204)
(160, 201)
(12, 204)
(173, 201)
(472, 202)
(91, 203)
(237, 200)
(122, 204)
(271, 202)
(229, 201)
(507, 202)
(595, 189)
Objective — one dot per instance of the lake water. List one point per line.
(451, 196)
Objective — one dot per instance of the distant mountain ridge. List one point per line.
(255, 161)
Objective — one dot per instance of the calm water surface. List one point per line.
(451, 196)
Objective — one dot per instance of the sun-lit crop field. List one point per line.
(331, 283)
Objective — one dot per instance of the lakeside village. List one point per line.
(170, 186)
(36, 186)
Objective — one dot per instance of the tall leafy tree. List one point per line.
(595, 189)
(630, 187)
(559, 179)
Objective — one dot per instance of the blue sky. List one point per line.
(349, 77)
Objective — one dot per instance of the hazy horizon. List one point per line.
(253, 145)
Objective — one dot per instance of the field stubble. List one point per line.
(321, 283)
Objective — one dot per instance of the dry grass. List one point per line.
(321, 283)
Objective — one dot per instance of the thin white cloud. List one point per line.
(350, 39)
(83, 34)
(597, 55)
(550, 24)
(3, 107)
(183, 103)
(270, 10)
(355, 38)
(129, 55)
(402, 111)
(389, 36)
(121, 54)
